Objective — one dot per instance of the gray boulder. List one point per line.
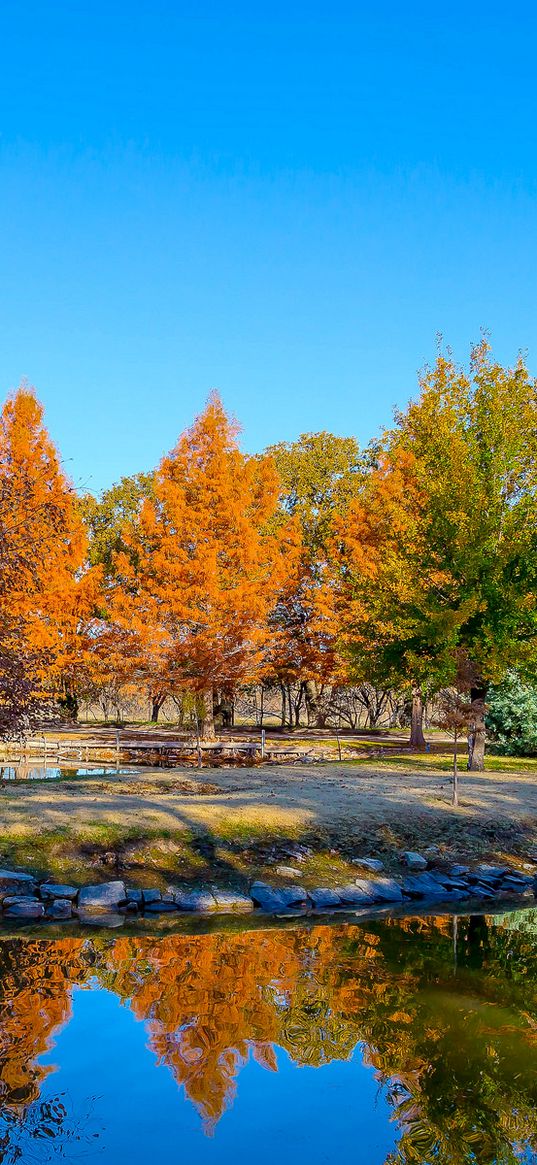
(518, 891)
(368, 887)
(373, 864)
(477, 890)
(135, 896)
(23, 906)
(293, 895)
(106, 896)
(414, 861)
(198, 900)
(14, 883)
(160, 907)
(324, 898)
(475, 879)
(456, 891)
(423, 886)
(492, 873)
(448, 879)
(150, 896)
(380, 889)
(517, 884)
(355, 896)
(57, 890)
(388, 890)
(296, 851)
(268, 898)
(516, 879)
(60, 908)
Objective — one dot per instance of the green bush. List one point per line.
(512, 716)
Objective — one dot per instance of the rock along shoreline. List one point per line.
(24, 898)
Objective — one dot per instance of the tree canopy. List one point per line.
(438, 554)
(44, 600)
(201, 569)
(410, 567)
(512, 716)
(106, 518)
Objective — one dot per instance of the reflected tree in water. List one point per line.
(447, 1020)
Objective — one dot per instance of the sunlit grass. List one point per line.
(443, 762)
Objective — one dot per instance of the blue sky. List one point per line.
(285, 200)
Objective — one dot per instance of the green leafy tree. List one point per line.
(318, 477)
(318, 474)
(440, 550)
(106, 518)
(512, 716)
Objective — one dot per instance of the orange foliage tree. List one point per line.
(203, 566)
(45, 599)
(303, 642)
(319, 474)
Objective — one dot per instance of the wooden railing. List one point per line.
(56, 752)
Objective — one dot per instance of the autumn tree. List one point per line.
(439, 559)
(318, 478)
(202, 569)
(44, 599)
(107, 676)
(114, 667)
(387, 643)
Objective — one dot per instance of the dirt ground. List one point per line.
(227, 826)
(341, 799)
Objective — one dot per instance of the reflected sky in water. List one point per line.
(403, 1041)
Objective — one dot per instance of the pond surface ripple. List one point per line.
(403, 1041)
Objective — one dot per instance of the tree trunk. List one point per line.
(311, 701)
(157, 700)
(223, 710)
(455, 770)
(476, 735)
(290, 707)
(284, 705)
(207, 731)
(417, 739)
(298, 704)
(69, 702)
(317, 703)
(261, 706)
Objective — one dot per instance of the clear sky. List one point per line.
(282, 199)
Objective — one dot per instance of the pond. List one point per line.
(403, 1041)
(32, 771)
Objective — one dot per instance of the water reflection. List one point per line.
(32, 771)
(441, 1014)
